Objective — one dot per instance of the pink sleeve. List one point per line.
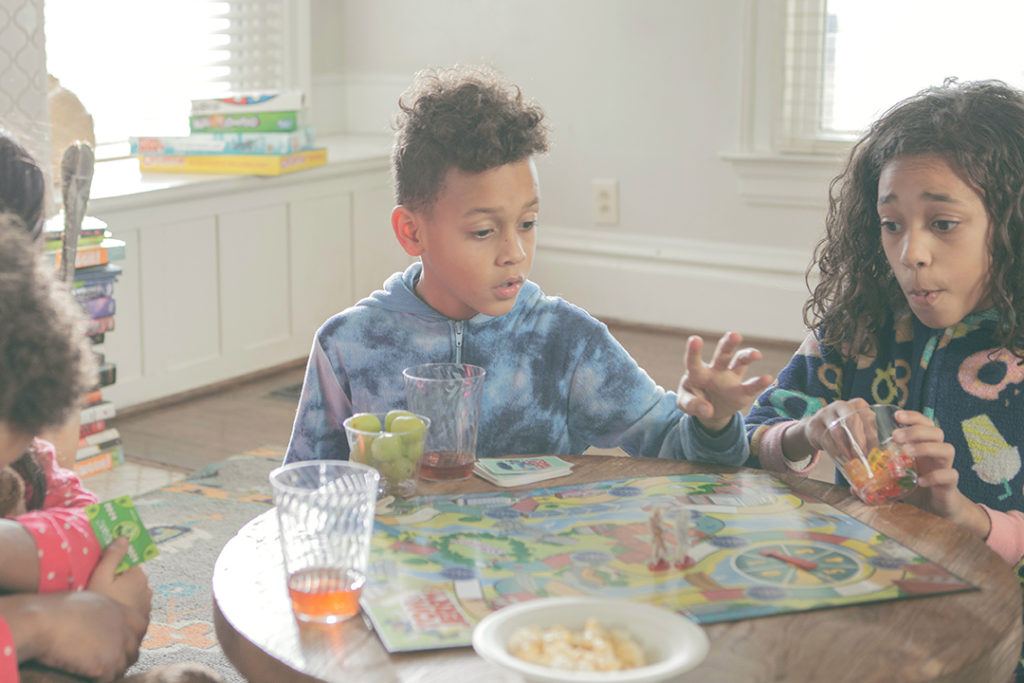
(68, 549)
(8, 656)
(1007, 535)
(767, 446)
(63, 487)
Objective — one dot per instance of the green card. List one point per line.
(118, 517)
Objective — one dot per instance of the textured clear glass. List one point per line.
(449, 394)
(879, 470)
(325, 510)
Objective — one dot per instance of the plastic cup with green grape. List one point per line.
(392, 444)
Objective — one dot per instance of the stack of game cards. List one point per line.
(508, 472)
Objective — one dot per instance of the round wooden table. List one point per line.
(972, 637)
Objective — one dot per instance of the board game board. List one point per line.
(440, 564)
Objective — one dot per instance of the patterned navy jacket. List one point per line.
(959, 377)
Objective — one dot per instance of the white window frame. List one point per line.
(782, 159)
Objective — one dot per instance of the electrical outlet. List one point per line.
(606, 201)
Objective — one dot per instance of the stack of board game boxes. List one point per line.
(245, 134)
(99, 445)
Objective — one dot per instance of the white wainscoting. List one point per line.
(228, 276)
(690, 284)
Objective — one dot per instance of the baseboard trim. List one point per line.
(758, 290)
(207, 389)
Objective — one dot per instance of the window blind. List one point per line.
(847, 61)
(137, 75)
(254, 43)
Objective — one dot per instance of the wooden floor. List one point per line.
(197, 431)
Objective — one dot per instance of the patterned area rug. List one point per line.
(191, 521)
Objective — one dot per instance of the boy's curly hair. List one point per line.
(45, 362)
(464, 118)
(978, 128)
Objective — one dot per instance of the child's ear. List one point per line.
(408, 230)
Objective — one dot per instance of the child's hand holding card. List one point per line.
(118, 517)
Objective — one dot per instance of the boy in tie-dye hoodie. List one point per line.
(557, 381)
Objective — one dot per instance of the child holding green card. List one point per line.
(64, 602)
(43, 369)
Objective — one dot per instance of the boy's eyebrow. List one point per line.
(491, 211)
(929, 196)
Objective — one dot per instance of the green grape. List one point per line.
(364, 422)
(397, 470)
(386, 448)
(390, 418)
(413, 430)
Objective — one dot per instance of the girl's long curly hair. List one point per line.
(978, 129)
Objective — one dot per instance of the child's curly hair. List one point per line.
(45, 362)
(22, 184)
(464, 118)
(978, 128)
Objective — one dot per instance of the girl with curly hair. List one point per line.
(920, 304)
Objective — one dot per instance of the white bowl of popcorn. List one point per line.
(590, 640)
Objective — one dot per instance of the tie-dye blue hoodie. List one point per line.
(557, 381)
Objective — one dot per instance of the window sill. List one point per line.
(118, 184)
(785, 180)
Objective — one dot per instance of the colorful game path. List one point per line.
(717, 547)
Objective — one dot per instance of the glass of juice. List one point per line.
(879, 470)
(449, 395)
(325, 510)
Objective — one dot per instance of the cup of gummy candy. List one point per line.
(878, 469)
(392, 444)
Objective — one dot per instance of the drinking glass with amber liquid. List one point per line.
(325, 511)
(449, 395)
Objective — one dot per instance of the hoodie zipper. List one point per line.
(458, 341)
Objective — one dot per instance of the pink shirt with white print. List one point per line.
(68, 549)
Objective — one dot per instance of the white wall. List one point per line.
(651, 93)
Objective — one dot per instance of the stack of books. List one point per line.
(99, 445)
(249, 134)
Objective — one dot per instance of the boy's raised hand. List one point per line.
(936, 477)
(714, 392)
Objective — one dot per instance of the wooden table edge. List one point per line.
(260, 666)
(254, 663)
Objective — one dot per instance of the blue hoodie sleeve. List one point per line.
(317, 433)
(614, 403)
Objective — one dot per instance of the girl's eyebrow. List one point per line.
(927, 196)
(939, 197)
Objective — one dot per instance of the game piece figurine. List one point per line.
(682, 527)
(659, 551)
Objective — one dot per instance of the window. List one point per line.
(847, 61)
(137, 74)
